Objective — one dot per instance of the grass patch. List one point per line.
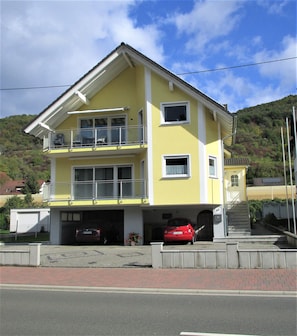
(25, 238)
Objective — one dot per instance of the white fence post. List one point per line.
(34, 254)
(232, 255)
(157, 248)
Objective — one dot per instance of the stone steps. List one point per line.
(238, 219)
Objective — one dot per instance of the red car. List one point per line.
(179, 230)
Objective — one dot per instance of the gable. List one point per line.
(123, 58)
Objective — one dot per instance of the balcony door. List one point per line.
(118, 130)
(104, 130)
(103, 182)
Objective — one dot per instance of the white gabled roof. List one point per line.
(105, 71)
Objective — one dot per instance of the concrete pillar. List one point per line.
(232, 255)
(157, 248)
(55, 227)
(133, 222)
(34, 254)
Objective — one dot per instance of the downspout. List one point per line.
(233, 135)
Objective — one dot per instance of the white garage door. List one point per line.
(28, 222)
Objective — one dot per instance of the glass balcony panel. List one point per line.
(105, 189)
(95, 137)
(83, 190)
(99, 190)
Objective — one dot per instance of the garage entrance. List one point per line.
(111, 223)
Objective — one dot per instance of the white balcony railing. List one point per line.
(90, 137)
(95, 190)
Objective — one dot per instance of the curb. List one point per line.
(150, 290)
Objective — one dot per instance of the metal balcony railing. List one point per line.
(95, 137)
(96, 190)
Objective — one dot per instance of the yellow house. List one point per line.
(131, 145)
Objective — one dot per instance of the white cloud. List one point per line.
(56, 42)
(207, 21)
(273, 7)
(284, 71)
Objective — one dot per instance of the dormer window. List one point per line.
(175, 113)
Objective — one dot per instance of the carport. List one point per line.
(111, 222)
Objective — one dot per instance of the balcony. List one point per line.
(105, 138)
(128, 191)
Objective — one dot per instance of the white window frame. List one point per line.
(215, 166)
(172, 104)
(180, 156)
(234, 180)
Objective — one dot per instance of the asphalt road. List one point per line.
(51, 312)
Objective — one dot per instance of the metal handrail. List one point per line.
(96, 190)
(95, 137)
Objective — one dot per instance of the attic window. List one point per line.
(173, 113)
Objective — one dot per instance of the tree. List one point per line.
(31, 185)
(13, 202)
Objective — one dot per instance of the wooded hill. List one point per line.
(258, 138)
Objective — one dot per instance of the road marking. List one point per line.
(185, 333)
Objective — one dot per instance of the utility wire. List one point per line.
(35, 87)
(237, 66)
(180, 74)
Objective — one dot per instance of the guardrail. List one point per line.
(230, 257)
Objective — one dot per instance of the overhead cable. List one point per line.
(180, 74)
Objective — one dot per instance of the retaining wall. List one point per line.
(230, 258)
(24, 255)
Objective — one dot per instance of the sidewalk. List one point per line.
(129, 268)
(237, 281)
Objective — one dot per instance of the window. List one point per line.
(176, 166)
(70, 216)
(212, 166)
(175, 112)
(234, 181)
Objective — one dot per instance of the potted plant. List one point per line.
(133, 238)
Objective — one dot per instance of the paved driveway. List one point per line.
(106, 256)
(95, 256)
(117, 256)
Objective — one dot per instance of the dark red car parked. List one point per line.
(88, 235)
(179, 230)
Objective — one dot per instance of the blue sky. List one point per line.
(54, 43)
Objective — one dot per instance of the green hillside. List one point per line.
(21, 154)
(258, 138)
